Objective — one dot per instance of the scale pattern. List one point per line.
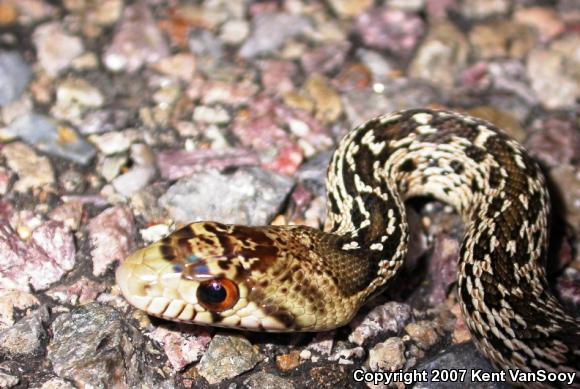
(295, 278)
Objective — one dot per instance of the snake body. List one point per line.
(296, 278)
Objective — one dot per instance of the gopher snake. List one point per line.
(295, 278)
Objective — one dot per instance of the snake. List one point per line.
(295, 278)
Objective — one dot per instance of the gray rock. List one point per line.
(14, 76)
(271, 31)
(45, 135)
(463, 356)
(25, 337)
(263, 380)
(95, 346)
(8, 380)
(228, 356)
(389, 318)
(249, 196)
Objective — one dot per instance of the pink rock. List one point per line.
(112, 237)
(213, 92)
(390, 29)
(287, 161)
(69, 213)
(174, 164)
(555, 140)
(184, 346)
(326, 58)
(277, 76)
(138, 41)
(81, 292)
(43, 260)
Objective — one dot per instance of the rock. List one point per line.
(555, 140)
(389, 318)
(56, 383)
(423, 333)
(42, 260)
(227, 357)
(271, 31)
(544, 20)
(70, 214)
(441, 56)
(325, 59)
(95, 345)
(80, 292)
(211, 115)
(74, 96)
(554, 75)
(137, 41)
(331, 376)
(34, 171)
(234, 32)
(14, 76)
(249, 196)
(183, 346)
(463, 356)
(350, 8)
(327, 103)
(390, 29)
(25, 338)
(388, 355)
(500, 39)
(12, 301)
(181, 66)
(474, 9)
(55, 48)
(567, 180)
(112, 235)
(114, 142)
(290, 361)
(8, 380)
(263, 380)
(135, 179)
(47, 136)
(277, 76)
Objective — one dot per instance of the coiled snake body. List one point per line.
(295, 278)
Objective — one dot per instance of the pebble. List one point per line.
(211, 115)
(555, 140)
(263, 380)
(227, 357)
(271, 30)
(80, 292)
(34, 171)
(112, 235)
(48, 254)
(350, 8)
(14, 301)
(8, 380)
(234, 32)
(389, 318)
(14, 76)
(501, 39)
(25, 338)
(388, 355)
(181, 66)
(183, 346)
(70, 214)
(544, 20)
(134, 180)
(46, 135)
(423, 333)
(277, 76)
(95, 344)
(114, 142)
(55, 48)
(390, 29)
(327, 103)
(567, 179)
(553, 73)
(287, 362)
(56, 383)
(325, 59)
(137, 41)
(441, 56)
(249, 196)
(474, 9)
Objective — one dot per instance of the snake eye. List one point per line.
(217, 294)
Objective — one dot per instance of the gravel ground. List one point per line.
(122, 120)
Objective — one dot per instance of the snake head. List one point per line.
(203, 274)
